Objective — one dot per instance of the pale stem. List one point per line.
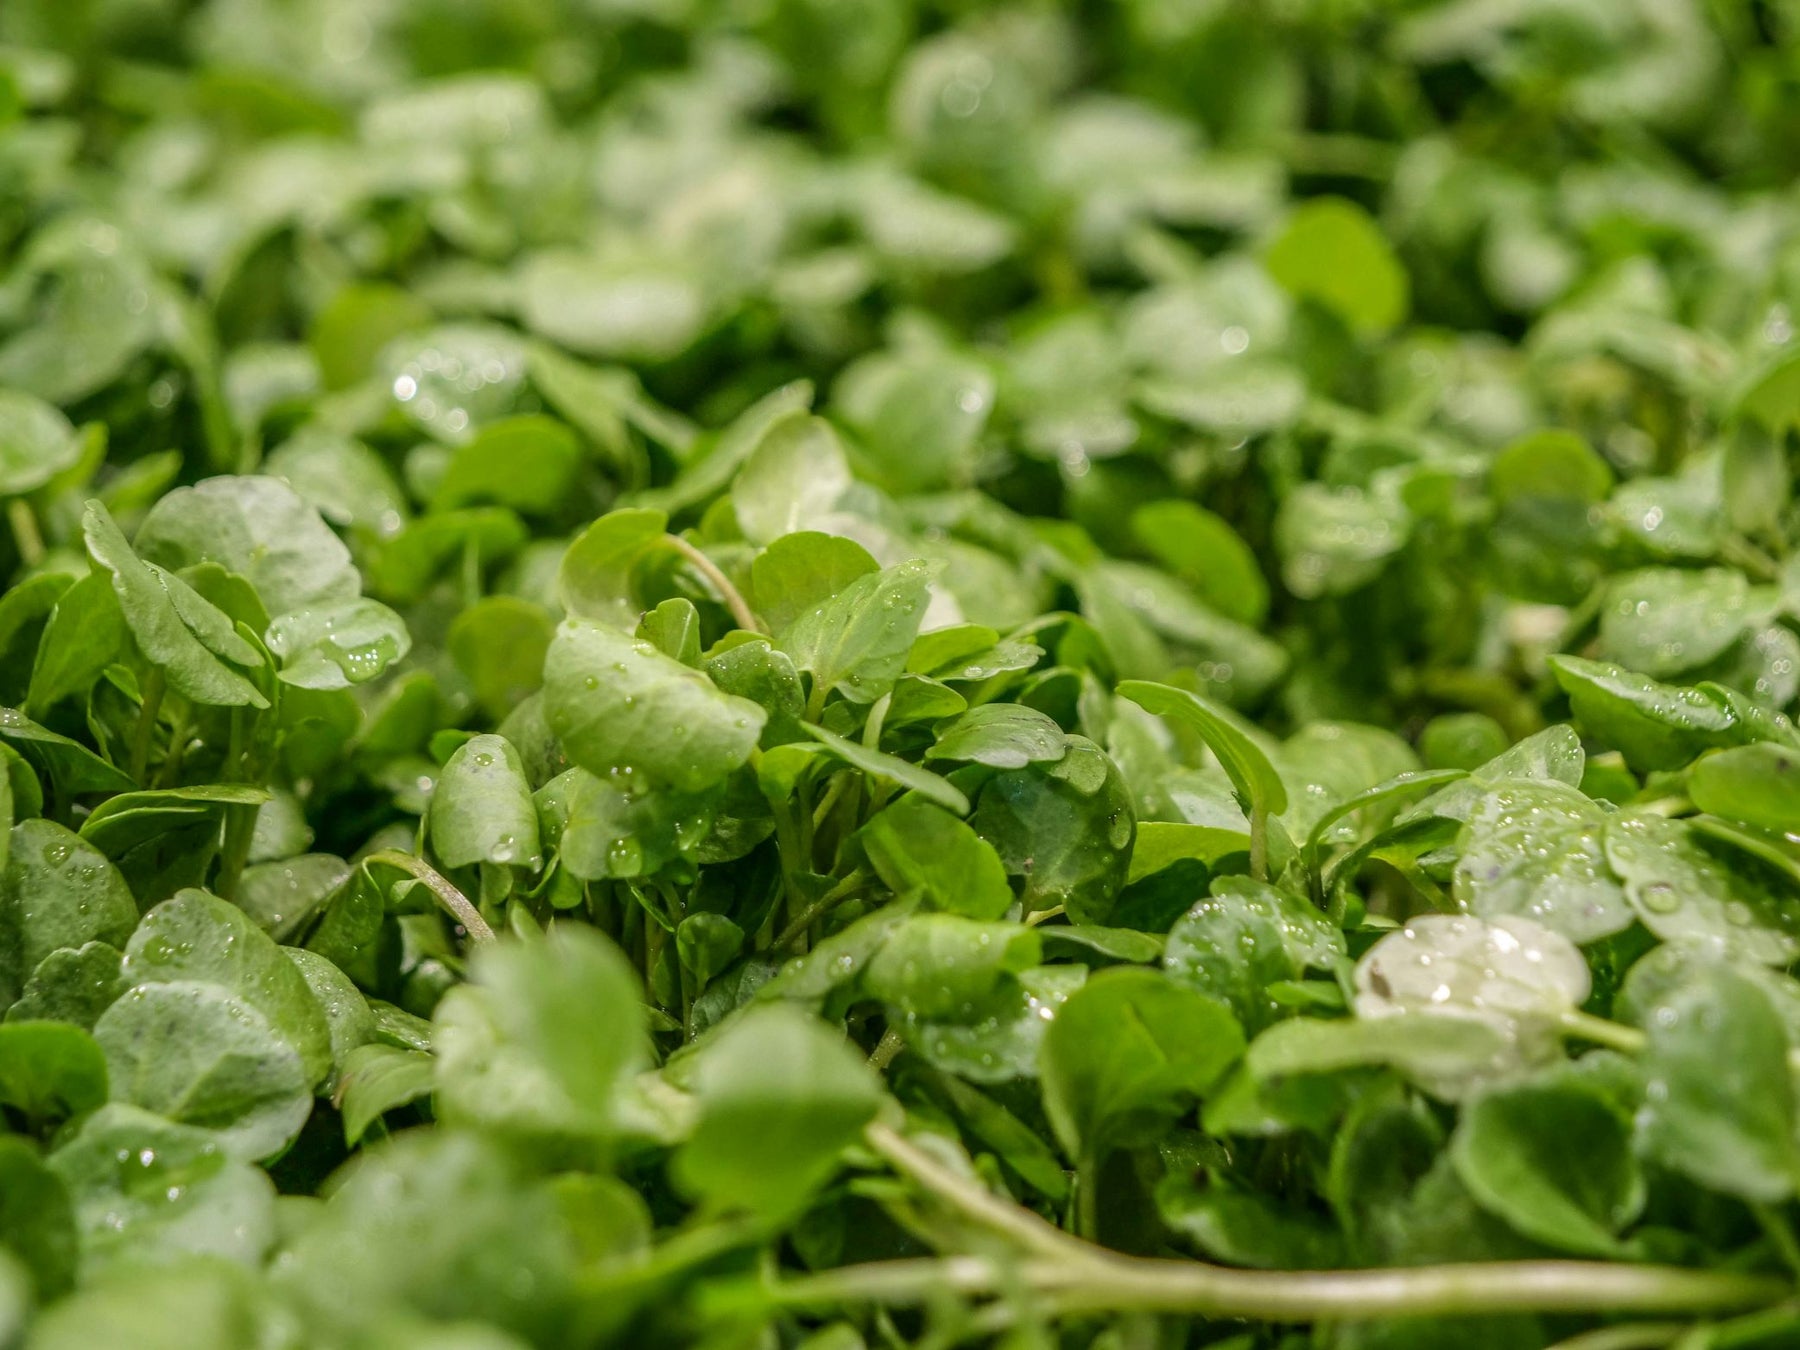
(741, 613)
(454, 901)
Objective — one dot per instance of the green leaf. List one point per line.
(616, 703)
(377, 1079)
(499, 644)
(86, 634)
(1664, 620)
(36, 443)
(1332, 252)
(1682, 889)
(1719, 1103)
(49, 1071)
(1243, 760)
(1127, 1053)
(481, 809)
(1655, 726)
(178, 632)
(800, 571)
(1758, 784)
(594, 580)
(1204, 551)
(1002, 736)
(939, 966)
(338, 645)
(196, 938)
(1554, 1161)
(791, 480)
(542, 1038)
(1064, 828)
(1244, 937)
(150, 1191)
(780, 1097)
(857, 641)
(891, 769)
(71, 984)
(197, 1054)
(57, 891)
(259, 528)
(1534, 848)
(527, 463)
(916, 845)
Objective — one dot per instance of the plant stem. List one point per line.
(1087, 1196)
(26, 535)
(1780, 1233)
(889, 1282)
(454, 901)
(1627, 1336)
(141, 733)
(886, 1050)
(1613, 1035)
(741, 613)
(819, 908)
(1259, 843)
(1078, 1277)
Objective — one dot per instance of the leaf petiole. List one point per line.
(455, 903)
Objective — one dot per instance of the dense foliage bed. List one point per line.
(898, 673)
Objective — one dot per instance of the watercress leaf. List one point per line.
(892, 769)
(791, 480)
(1245, 936)
(336, 645)
(527, 463)
(1244, 1227)
(1664, 620)
(49, 1071)
(600, 827)
(1001, 735)
(939, 966)
(197, 1054)
(85, 634)
(149, 1191)
(1534, 848)
(57, 891)
(71, 984)
(800, 571)
(594, 580)
(1555, 1161)
(674, 629)
(1249, 769)
(1001, 1038)
(1683, 889)
(259, 528)
(615, 702)
(36, 443)
(1655, 726)
(348, 1019)
(176, 629)
(542, 1038)
(481, 809)
(377, 1079)
(1127, 1053)
(345, 481)
(499, 644)
(196, 938)
(915, 845)
(37, 1221)
(25, 612)
(780, 1097)
(1204, 551)
(1332, 252)
(754, 670)
(1752, 783)
(1551, 755)
(1719, 1104)
(857, 641)
(1064, 828)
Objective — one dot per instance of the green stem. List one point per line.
(741, 613)
(1087, 1197)
(154, 687)
(26, 535)
(170, 770)
(1259, 843)
(1078, 1277)
(1587, 1027)
(1628, 1336)
(455, 903)
(819, 908)
(1780, 1233)
(886, 1050)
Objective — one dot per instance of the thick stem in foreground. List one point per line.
(454, 902)
(145, 728)
(1075, 1276)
